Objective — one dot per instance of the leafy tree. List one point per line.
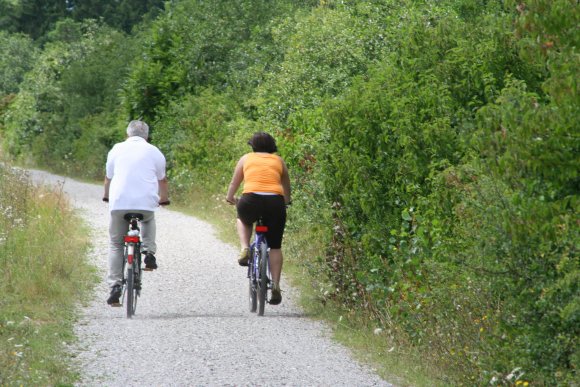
(122, 15)
(323, 53)
(8, 16)
(195, 134)
(71, 81)
(36, 18)
(18, 56)
(195, 45)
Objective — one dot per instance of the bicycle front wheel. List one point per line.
(263, 278)
(253, 297)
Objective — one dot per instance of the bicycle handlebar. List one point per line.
(165, 203)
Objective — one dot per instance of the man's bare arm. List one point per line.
(163, 190)
(107, 185)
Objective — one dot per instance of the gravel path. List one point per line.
(193, 327)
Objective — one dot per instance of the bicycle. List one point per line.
(132, 263)
(131, 282)
(259, 276)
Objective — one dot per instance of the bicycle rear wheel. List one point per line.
(263, 278)
(131, 293)
(133, 285)
(252, 282)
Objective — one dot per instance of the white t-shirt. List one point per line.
(135, 168)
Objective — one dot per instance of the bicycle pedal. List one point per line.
(116, 305)
(147, 269)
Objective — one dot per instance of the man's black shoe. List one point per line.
(150, 262)
(115, 296)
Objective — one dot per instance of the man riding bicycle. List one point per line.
(265, 195)
(135, 182)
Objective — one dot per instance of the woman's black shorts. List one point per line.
(271, 208)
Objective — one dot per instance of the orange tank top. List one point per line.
(263, 173)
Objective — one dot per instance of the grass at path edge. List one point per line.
(42, 281)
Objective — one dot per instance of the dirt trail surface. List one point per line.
(192, 326)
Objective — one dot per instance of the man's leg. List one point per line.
(117, 229)
(148, 231)
(148, 234)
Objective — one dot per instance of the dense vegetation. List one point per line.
(433, 146)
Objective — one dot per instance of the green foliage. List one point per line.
(323, 52)
(8, 16)
(105, 58)
(18, 56)
(37, 18)
(537, 218)
(195, 136)
(407, 248)
(48, 119)
(96, 136)
(381, 148)
(121, 15)
(182, 57)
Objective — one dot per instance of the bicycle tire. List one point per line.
(252, 282)
(131, 293)
(263, 278)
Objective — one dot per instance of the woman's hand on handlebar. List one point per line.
(233, 200)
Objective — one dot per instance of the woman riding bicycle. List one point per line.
(265, 195)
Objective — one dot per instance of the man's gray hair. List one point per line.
(138, 128)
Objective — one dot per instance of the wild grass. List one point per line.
(43, 276)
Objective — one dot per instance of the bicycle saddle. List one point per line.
(130, 215)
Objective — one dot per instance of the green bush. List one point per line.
(224, 44)
(202, 137)
(18, 56)
(71, 81)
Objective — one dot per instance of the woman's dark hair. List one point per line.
(263, 142)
